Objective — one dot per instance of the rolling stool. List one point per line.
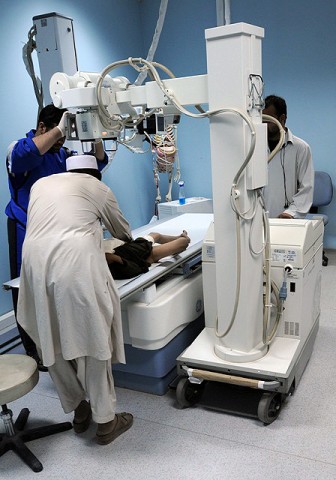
(18, 376)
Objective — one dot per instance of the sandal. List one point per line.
(107, 432)
(82, 417)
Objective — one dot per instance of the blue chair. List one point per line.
(323, 194)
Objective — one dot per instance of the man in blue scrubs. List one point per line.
(40, 154)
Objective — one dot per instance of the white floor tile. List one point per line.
(166, 442)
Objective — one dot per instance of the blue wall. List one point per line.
(298, 63)
(104, 32)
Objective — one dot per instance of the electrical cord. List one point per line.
(155, 40)
(141, 65)
(27, 51)
(282, 162)
(270, 285)
(116, 122)
(252, 250)
(280, 143)
(266, 249)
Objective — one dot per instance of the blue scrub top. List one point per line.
(28, 166)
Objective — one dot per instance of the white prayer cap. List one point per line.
(81, 161)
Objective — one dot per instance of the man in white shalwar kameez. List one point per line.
(68, 301)
(289, 193)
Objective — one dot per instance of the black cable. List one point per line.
(282, 161)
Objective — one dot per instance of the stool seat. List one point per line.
(18, 376)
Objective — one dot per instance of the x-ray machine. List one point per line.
(261, 278)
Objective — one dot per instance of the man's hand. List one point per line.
(285, 215)
(98, 149)
(62, 124)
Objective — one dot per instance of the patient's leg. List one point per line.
(160, 238)
(171, 247)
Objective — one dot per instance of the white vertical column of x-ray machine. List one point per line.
(233, 54)
(236, 352)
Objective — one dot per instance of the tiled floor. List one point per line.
(195, 443)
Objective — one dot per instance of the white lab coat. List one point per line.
(68, 301)
(290, 179)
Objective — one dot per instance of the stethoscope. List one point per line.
(282, 161)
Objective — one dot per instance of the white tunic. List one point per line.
(68, 301)
(290, 179)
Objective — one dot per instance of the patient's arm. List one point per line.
(113, 258)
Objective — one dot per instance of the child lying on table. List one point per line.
(129, 259)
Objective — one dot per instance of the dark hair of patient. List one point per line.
(90, 171)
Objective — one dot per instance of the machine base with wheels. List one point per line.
(232, 399)
(254, 389)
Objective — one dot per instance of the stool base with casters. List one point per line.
(15, 436)
(19, 375)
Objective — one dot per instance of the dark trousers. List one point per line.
(15, 241)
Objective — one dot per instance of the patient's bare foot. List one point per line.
(185, 235)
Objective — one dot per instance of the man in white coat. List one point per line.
(289, 193)
(68, 301)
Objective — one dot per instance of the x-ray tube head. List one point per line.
(86, 126)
